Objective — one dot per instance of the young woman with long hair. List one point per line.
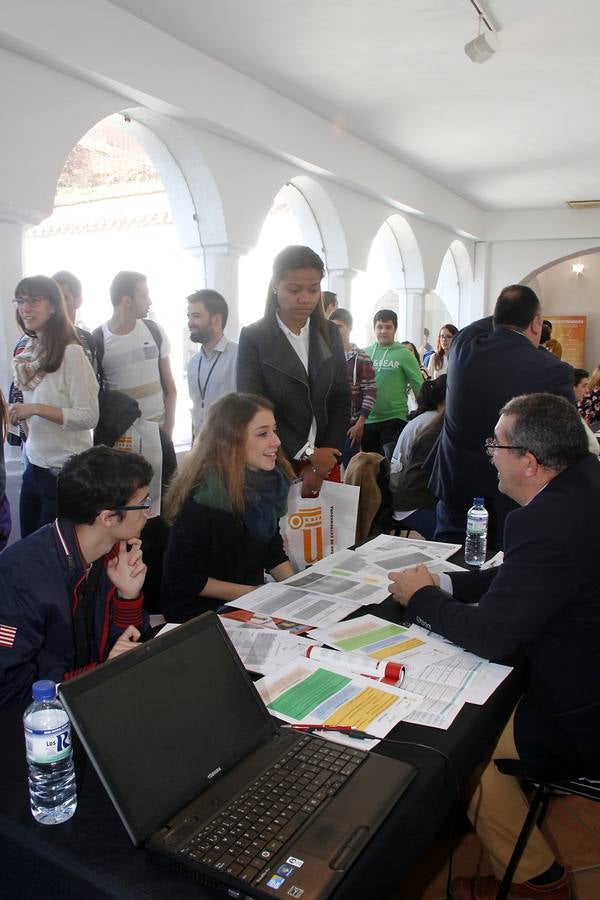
(295, 357)
(60, 395)
(438, 363)
(224, 503)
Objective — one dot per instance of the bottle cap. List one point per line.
(43, 690)
(477, 501)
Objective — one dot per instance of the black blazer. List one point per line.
(544, 599)
(268, 365)
(487, 367)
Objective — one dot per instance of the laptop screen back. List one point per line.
(160, 721)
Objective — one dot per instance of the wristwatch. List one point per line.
(308, 452)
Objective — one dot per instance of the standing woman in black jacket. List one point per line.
(295, 357)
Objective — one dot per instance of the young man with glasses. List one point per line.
(71, 593)
(544, 601)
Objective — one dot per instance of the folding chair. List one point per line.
(543, 787)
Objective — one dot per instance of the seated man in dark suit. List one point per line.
(490, 361)
(545, 600)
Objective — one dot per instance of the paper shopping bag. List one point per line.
(144, 438)
(315, 527)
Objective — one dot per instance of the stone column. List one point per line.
(340, 282)
(11, 271)
(415, 315)
(221, 273)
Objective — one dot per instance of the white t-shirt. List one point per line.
(301, 343)
(431, 369)
(130, 365)
(73, 388)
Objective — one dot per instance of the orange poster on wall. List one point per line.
(569, 331)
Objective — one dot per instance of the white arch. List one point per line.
(554, 262)
(193, 193)
(412, 261)
(334, 241)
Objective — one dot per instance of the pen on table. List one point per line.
(360, 665)
(343, 729)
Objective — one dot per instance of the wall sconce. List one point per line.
(577, 268)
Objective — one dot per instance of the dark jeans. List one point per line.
(348, 452)
(451, 524)
(5, 521)
(169, 461)
(421, 520)
(37, 503)
(379, 434)
(155, 534)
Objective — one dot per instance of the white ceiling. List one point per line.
(521, 131)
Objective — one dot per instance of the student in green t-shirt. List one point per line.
(395, 368)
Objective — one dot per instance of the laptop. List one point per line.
(204, 778)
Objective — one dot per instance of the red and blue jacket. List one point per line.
(40, 580)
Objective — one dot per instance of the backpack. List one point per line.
(98, 336)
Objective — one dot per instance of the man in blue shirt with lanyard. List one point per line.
(211, 371)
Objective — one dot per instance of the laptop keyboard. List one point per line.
(244, 837)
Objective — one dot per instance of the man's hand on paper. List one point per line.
(406, 583)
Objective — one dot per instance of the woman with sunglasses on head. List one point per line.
(224, 504)
(438, 362)
(60, 395)
(295, 357)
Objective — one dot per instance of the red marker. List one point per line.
(392, 672)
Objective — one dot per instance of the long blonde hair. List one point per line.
(219, 448)
(594, 380)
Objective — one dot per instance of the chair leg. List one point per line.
(540, 795)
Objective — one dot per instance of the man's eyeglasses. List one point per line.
(33, 302)
(146, 505)
(491, 446)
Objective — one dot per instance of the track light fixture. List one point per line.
(483, 47)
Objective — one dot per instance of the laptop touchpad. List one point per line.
(324, 837)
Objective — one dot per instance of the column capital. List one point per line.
(343, 273)
(226, 249)
(15, 215)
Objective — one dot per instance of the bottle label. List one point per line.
(48, 745)
(478, 528)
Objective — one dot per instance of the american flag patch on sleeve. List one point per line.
(7, 635)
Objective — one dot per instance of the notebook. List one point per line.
(188, 753)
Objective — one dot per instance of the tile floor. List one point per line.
(572, 826)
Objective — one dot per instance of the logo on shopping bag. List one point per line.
(310, 522)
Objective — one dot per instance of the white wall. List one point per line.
(511, 262)
(564, 293)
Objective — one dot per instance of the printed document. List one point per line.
(289, 600)
(263, 650)
(307, 692)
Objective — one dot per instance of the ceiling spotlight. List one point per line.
(483, 47)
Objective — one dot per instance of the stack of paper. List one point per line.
(263, 650)
(306, 692)
(392, 554)
(436, 670)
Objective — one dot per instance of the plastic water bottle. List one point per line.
(52, 788)
(476, 540)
